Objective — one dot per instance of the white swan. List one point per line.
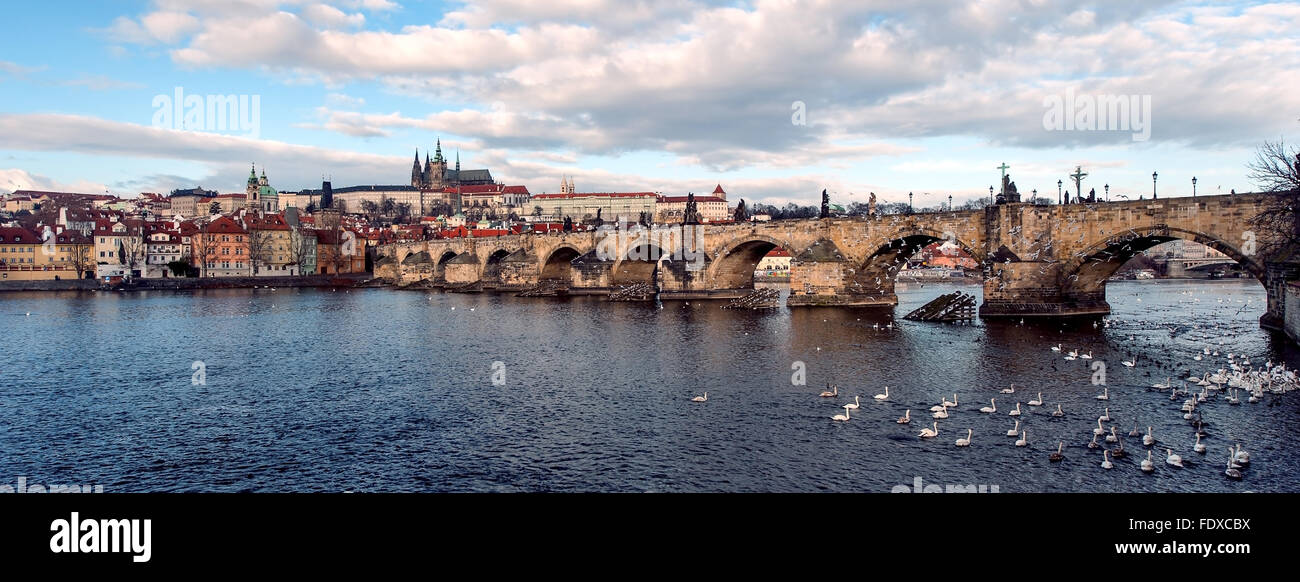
(1093, 444)
(1011, 390)
(842, 417)
(1231, 471)
(1105, 460)
(927, 433)
(937, 408)
(966, 441)
(990, 409)
(883, 396)
(1112, 437)
(1038, 401)
(1099, 430)
(906, 418)
(1058, 455)
(1173, 459)
(1058, 412)
(1105, 416)
(943, 413)
(1241, 457)
(1087, 356)
(704, 398)
(1147, 465)
(1105, 394)
(948, 404)
(1130, 363)
(1024, 439)
(1199, 446)
(1015, 430)
(1015, 412)
(855, 405)
(1147, 439)
(830, 393)
(1057, 348)
(1135, 432)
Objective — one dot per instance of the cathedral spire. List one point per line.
(457, 162)
(437, 155)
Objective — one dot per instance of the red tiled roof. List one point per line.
(17, 234)
(778, 252)
(671, 199)
(266, 222)
(592, 195)
(719, 190)
(225, 225)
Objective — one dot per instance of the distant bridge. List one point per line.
(1037, 260)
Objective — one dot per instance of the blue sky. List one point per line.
(670, 96)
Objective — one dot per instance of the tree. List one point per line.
(387, 206)
(131, 248)
(370, 209)
(80, 257)
(301, 247)
(537, 212)
(203, 247)
(403, 211)
(259, 248)
(1276, 170)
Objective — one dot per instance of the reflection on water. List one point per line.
(381, 390)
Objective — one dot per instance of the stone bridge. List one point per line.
(1037, 260)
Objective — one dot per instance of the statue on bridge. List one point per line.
(692, 213)
(826, 205)
(741, 214)
(1092, 195)
(871, 205)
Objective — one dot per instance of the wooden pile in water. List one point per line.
(756, 299)
(956, 306)
(636, 292)
(548, 288)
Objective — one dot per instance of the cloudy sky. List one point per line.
(924, 96)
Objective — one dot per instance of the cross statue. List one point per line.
(1004, 167)
(1078, 177)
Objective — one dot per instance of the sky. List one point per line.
(775, 100)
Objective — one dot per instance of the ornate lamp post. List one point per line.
(1153, 185)
(1058, 191)
(1107, 192)
(1193, 186)
(1034, 199)
(909, 203)
(950, 203)
(990, 194)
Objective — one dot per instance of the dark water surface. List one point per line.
(382, 390)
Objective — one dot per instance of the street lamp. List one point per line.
(909, 203)
(1153, 185)
(1193, 186)
(990, 194)
(1058, 191)
(1034, 199)
(1108, 192)
(950, 203)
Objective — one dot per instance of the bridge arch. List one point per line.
(558, 264)
(628, 271)
(734, 262)
(1084, 276)
(877, 273)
